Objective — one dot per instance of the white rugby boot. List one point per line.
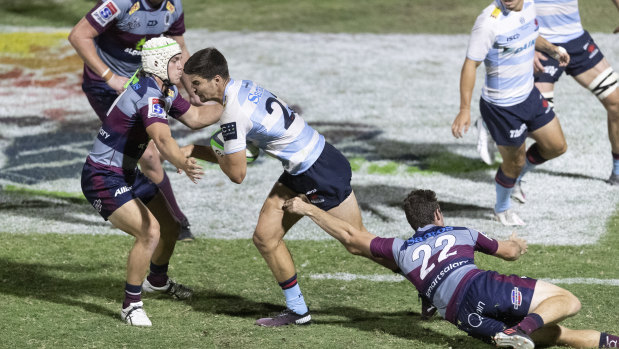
(135, 315)
(518, 193)
(508, 218)
(485, 144)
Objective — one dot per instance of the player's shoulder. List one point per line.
(174, 6)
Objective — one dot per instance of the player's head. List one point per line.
(207, 64)
(420, 207)
(156, 55)
(511, 5)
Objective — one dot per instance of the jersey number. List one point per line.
(449, 240)
(288, 118)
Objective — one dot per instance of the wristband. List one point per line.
(107, 75)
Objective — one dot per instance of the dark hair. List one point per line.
(419, 207)
(207, 63)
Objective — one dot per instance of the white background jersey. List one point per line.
(559, 20)
(254, 115)
(505, 42)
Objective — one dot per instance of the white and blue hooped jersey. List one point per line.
(254, 115)
(505, 41)
(559, 20)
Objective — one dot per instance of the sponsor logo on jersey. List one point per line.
(105, 13)
(517, 133)
(155, 110)
(516, 298)
(516, 50)
(443, 274)
(103, 133)
(255, 96)
(170, 7)
(134, 8)
(513, 37)
(152, 23)
(122, 190)
(228, 131)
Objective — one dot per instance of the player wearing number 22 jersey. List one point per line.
(439, 261)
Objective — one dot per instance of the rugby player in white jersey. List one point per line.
(511, 311)
(504, 38)
(559, 23)
(312, 167)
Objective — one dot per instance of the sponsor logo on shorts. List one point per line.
(228, 131)
(550, 70)
(516, 298)
(313, 197)
(592, 49)
(122, 190)
(97, 205)
(105, 13)
(517, 133)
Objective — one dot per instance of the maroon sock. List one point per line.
(166, 189)
(531, 323)
(133, 294)
(158, 274)
(608, 341)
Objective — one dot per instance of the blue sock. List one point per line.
(528, 166)
(504, 186)
(616, 164)
(294, 297)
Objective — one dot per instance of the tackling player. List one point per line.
(312, 167)
(118, 190)
(504, 38)
(438, 260)
(559, 23)
(109, 40)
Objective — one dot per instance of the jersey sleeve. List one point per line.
(179, 107)
(484, 243)
(482, 38)
(152, 111)
(234, 131)
(178, 27)
(382, 247)
(105, 13)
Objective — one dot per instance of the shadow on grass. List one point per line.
(35, 280)
(403, 324)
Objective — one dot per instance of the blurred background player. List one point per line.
(511, 311)
(109, 40)
(119, 191)
(559, 23)
(312, 166)
(504, 38)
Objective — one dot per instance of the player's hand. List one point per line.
(192, 170)
(538, 67)
(522, 243)
(187, 150)
(462, 123)
(117, 83)
(297, 205)
(561, 55)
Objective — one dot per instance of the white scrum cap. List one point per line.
(156, 54)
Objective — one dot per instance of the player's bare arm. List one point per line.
(167, 146)
(556, 52)
(511, 249)
(82, 38)
(467, 83)
(201, 152)
(234, 166)
(205, 115)
(351, 238)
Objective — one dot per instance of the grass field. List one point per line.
(366, 78)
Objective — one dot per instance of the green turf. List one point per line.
(60, 291)
(355, 16)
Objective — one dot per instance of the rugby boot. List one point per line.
(286, 317)
(513, 337)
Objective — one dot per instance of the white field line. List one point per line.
(398, 278)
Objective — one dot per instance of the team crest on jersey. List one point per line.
(134, 8)
(155, 109)
(105, 13)
(516, 298)
(170, 7)
(228, 131)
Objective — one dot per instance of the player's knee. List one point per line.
(264, 244)
(573, 302)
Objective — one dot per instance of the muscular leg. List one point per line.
(611, 102)
(273, 223)
(135, 219)
(169, 230)
(554, 334)
(550, 140)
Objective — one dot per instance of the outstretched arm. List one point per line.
(511, 249)
(205, 115)
(351, 238)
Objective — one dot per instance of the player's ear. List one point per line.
(438, 217)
